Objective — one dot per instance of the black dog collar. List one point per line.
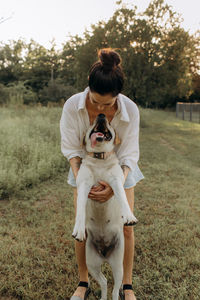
(100, 155)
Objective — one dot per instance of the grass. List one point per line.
(30, 147)
(37, 252)
(195, 116)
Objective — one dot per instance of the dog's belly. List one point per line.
(104, 226)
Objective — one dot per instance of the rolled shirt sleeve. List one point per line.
(70, 133)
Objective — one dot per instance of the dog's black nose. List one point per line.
(101, 116)
(100, 139)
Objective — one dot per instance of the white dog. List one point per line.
(102, 223)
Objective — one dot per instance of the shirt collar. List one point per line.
(121, 106)
(122, 109)
(82, 101)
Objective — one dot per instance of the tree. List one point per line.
(40, 65)
(11, 61)
(157, 53)
(55, 91)
(160, 59)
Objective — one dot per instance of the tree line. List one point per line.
(160, 60)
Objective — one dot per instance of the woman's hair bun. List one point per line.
(106, 75)
(109, 58)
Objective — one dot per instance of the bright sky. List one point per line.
(44, 20)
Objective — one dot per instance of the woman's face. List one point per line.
(102, 103)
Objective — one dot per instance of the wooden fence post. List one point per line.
(177, 109)
(190, 112)
(199, 114)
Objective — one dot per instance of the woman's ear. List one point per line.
(117, 139)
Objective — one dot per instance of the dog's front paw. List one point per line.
(79, 232)
(129, 219)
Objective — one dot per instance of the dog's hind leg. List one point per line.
(94, 263)
(116, 263)
(100, 278)
(117, 269)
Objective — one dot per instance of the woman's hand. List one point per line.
(101, 193)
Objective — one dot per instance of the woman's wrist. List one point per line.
(125, 170)
(75, 164)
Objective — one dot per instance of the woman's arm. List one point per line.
(75, 164)
(104, 192)
(128, 150)
(70, 131)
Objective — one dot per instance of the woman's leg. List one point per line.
(129, 249)
(81, 260)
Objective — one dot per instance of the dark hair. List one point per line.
(106, 75)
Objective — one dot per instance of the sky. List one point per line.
(45, 20)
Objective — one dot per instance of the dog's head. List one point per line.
(100, 136)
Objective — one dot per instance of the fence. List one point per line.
(188, 111)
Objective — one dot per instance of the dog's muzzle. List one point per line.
(100, 131)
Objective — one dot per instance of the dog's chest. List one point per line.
(103, 169)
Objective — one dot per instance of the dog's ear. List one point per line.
(83, 142)
(117, 139)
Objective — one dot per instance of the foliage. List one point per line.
(56, 91)
(158, 55)
(17, 93)
(3, 94)
(160, 58)
(29, 97)
(40, 66)
(11, 61)
(195, 96)
(29, 147)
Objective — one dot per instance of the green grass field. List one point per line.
(36, 209)
(29, 147)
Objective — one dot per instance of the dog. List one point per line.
(101, 224)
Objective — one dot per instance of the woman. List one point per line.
(103, 96)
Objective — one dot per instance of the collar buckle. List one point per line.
(99, 155)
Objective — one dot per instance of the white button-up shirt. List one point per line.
(75, 122)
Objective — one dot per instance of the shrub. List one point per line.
(4, 95)
(30, 97)
(29, 147)
(17, 94)
(56, 91)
